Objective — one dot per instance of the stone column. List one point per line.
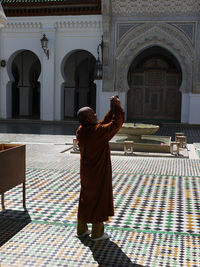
(107, 44)
(197, 72)
(98, 95)
(5, 83)
(69, 101)
(25, 101)
(83, 94)
(47, 77)
(5, 105)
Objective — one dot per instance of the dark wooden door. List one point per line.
(154, 94)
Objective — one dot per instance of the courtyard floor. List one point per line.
(157, 210)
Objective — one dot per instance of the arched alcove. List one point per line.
(25, 88)
(79, 88)
(154, 79)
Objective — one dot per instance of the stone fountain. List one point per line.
(143, 137)
(134, 131)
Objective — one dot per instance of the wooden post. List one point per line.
(178, 134)
(2, 201)
(24, 195)
(176, 145)
(182, 140)
(128, 147)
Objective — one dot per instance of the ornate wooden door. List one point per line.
(154, 94)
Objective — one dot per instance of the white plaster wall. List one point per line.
(65, 34)
(194, 114)
(103, 102)
(79, 36)
(190, 108)
(20, 34)
(185, 107)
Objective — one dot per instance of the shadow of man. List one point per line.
(12, 222)
(107, 253)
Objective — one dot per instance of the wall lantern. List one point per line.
(3, 63)
(44, 43)
(98, 68)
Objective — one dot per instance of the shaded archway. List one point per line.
(154, 79)
(26, 69)
(79, 88)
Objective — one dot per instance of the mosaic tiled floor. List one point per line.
(159, 166)
(150, 202)
(36, 244)
(156, 222)
(120, 164)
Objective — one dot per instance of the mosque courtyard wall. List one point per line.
(130, 29)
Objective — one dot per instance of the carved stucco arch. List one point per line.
(148, 35)
(11, 59)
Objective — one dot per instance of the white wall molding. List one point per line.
(75, 24)
(22, 26)
(79, 25)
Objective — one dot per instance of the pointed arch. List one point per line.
(147, 35)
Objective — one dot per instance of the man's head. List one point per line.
(86, 115)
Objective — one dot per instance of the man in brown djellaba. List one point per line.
(96, 195)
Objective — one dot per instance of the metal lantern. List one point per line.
(98, 68)
(44, 43)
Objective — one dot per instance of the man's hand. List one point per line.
(114, 101)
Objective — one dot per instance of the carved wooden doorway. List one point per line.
(154, 87)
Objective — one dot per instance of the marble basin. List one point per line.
(134, 131)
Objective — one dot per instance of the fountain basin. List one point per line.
(134, 131)
(147, 143)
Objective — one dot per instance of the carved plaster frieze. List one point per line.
(155, 7)
(188, 29)
(155, 35)
(179, 36)
(155, 29)
(23, 26)
(79, 25)
(123, 29)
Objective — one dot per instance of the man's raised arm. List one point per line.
(114, 100)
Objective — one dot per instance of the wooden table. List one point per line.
(12, 169)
